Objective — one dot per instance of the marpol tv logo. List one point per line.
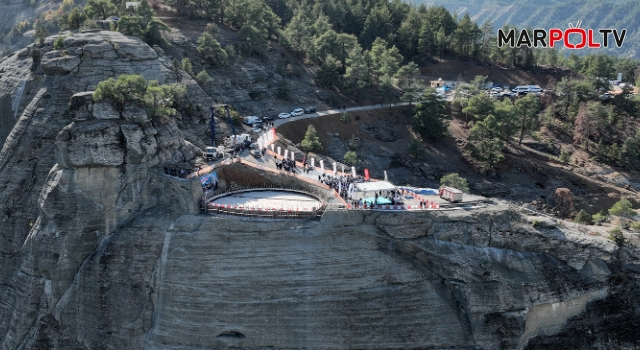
(571, 38)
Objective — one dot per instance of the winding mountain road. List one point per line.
(279, 122)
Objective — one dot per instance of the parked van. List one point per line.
(527, 88)
(250, 120)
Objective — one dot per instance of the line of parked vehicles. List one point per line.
(498, 91)
(257, 122)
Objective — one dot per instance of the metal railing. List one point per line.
(265, 214)
(252, 212)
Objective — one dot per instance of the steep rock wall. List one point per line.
(197, 282)
(71, 173)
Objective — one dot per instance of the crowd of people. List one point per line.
(341, 184)
(286, 165)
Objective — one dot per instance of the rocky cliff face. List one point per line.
(352, 280)
(98, 250)
(72, 171)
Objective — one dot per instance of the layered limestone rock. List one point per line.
(99, 250)
(477, 280)
(73, 171)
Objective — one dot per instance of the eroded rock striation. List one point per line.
(100, 250)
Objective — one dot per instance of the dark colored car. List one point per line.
(256, 153)
(310, 110)
(268, 118)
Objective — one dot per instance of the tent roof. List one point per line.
(375, 186)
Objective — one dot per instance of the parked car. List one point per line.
(284, 115)
(297, 112)
(310, 110)
(268, 118)
(257, 125)
(255, 153)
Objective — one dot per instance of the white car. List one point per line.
(297, 112)
(284, 115)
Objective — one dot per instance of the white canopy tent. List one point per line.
(375, 186)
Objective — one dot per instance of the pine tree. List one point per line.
(415, 147)
(311, 142)
(101, 8)
(187, 66)
(623, 210)
(145, 12)
(431, 118)
(211, 50)
(358, 74)
(327, 76)
(583, 217)
(484, 142)
(152, 32)
(130, 25)
(527, 111)
(386, 88)
(480, 106)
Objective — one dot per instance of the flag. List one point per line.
(366, 174)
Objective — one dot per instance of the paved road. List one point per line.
(279, 122)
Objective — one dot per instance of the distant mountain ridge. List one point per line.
(618, 14)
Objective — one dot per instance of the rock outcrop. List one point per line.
(73, 171)
(100, 250)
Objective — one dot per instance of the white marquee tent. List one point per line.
(375, 186)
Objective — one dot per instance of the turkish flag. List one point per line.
(366, 174)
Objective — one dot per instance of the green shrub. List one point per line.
(311, 141)
(203, 78)
(600, 217)
(536, 223)
(456, 181)
(351, 158)
(583, 218)
(565, 156)
(58, 44)
(187, 66)
(617, 236)
(345, 118)
(636, 226)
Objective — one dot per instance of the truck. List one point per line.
(213, 153)
(451, 194)
(236, 140)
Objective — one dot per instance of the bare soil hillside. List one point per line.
(384, 136)
(453, 69)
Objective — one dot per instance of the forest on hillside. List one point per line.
(619, 14)
(377, 47)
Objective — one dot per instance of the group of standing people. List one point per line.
(286, 165)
